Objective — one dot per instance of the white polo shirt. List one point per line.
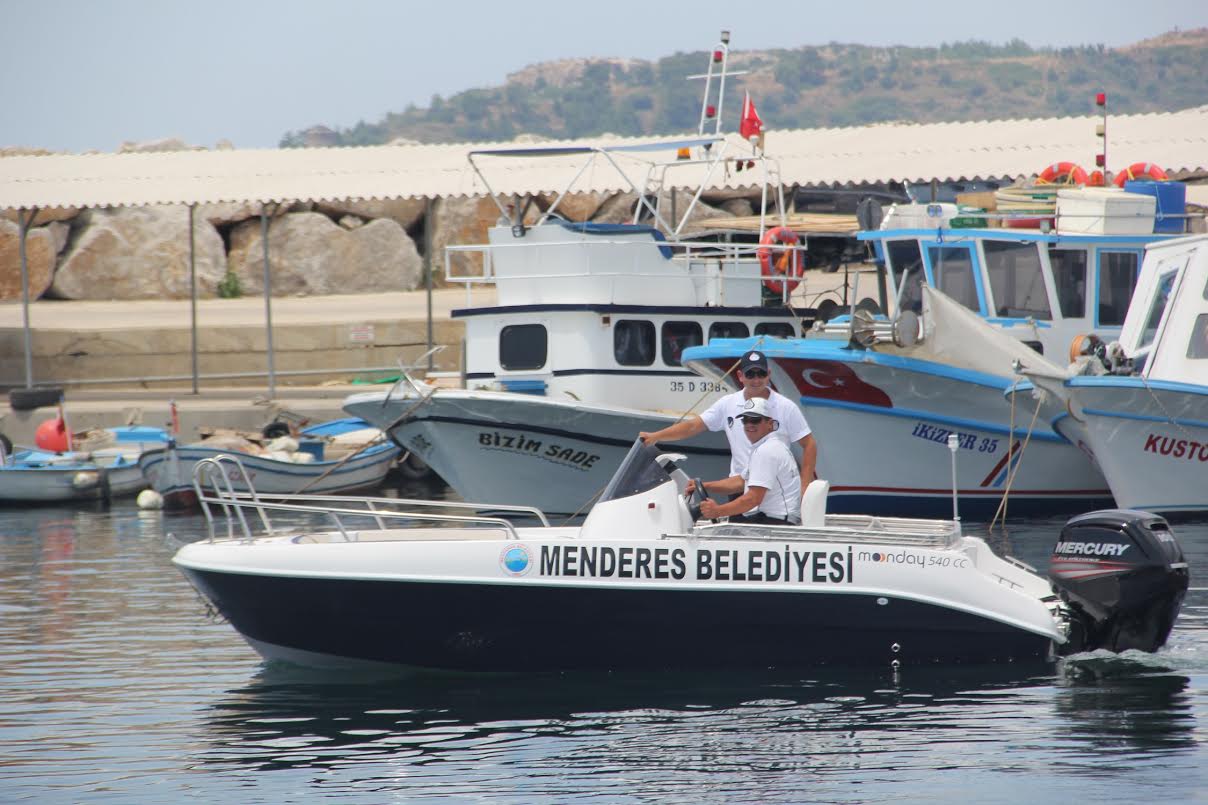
(723, 415)
(773, 467)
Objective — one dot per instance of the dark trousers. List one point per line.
(759, 518)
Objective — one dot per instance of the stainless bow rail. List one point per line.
(215, 481)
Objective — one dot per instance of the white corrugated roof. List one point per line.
(1177, 141)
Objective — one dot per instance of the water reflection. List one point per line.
(287, 717)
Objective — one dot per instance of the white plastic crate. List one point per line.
(1104, 211)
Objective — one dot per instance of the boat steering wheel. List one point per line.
(699, 495)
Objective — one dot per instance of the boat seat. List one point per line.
(813, 504)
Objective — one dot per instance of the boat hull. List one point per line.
(72, 483)
(674, 603)
(1149, 438)
(172, 475)
(883, 434)
(496, 447)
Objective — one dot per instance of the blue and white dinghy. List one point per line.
(642, 584)
(106, 467)
(334, 457)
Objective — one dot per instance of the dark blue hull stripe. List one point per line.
(712, 313)
(606, 372)
(519, 627)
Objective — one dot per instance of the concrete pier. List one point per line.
(124, 360)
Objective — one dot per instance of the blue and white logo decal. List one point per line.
(515, 559)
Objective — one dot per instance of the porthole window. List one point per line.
(728, 329)
(523, 346)
(633, 342)
(678, 336)
(776, 329)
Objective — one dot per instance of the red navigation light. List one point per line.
(1101, 99)
(1100, 162)
(717, 55)
(710, 111)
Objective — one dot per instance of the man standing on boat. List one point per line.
(723, 415)
(770, 484)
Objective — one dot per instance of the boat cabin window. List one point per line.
(523, 346)
(633, 342)
(1117, 281)
(1069, 276)
(1017, 281)
(728, 329)
(906, 262)
(1157, 307)
(678, 336)
(952, 273)
(1198, 348)
(776, 329)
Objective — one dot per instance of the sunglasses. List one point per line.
(755, 373)
(753, 420)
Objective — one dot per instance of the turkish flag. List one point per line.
(831, 380)
(751, 125)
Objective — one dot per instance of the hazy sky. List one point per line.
(90, 74)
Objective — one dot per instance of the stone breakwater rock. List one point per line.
(619, 209)
(39, 256)
(309, 254)
(458, 221)
(406, 212)
(138, 253)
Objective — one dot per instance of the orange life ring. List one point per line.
(1065, 172)
(1095, 179)
(1141, 170)
(775, 263)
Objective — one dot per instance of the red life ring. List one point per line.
(780, 262)
(1141, 170)
(1065, 172)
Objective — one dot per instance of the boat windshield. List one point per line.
(639, 472)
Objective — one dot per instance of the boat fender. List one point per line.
(775, 263)
(85, 479)
(150, 499)
(1140, 170)
(1062, 173)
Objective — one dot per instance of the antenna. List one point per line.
(718, 60)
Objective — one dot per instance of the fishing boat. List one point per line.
(1139, 405)
(882, 402)
(582, 347)
(642, 583)
(105, 467)
(334, 457)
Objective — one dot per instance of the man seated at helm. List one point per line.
(770, 483)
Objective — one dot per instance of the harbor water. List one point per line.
(120, 686)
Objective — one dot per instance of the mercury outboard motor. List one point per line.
(1123, 575)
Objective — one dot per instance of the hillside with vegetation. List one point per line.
(806, 87)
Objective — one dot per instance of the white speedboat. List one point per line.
(34, 476)
(642, 585)
(590, 320)
(334, 457)
(1140, 405)
(882, 409)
